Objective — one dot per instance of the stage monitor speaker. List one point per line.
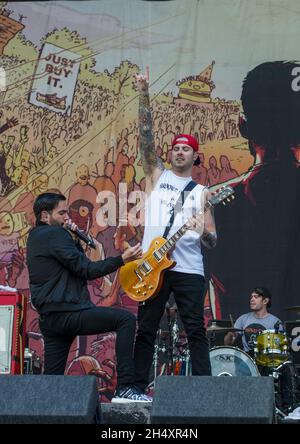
(213, 400)
(49, 399)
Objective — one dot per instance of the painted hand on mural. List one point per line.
(120, 239)
(109, 378)
(106, 372)
(16, 267)
(10, 123)
(122, 236)
(13, 121)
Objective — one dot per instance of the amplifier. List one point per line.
(293, 332)
(12, 332)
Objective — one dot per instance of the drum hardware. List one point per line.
(273, 358)
(217, 328)
(295, 308)
(32, 363)
(157, 349)
(283, 407)
(217, 331)
(231, 361)
(171, 353)
(271, 348)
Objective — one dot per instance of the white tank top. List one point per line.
(158, 208)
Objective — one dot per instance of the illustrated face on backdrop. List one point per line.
(40, 184)
(81, 212)
(83, 175)
(6, 224)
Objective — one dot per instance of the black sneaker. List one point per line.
(130, 394)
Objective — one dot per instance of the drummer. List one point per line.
(254, 322)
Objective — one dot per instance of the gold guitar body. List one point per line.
(142, 279)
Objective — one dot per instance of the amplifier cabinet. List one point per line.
(12, 332)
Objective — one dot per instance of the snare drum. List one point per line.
(231, 361)
(271, 349)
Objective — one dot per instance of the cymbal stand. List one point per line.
(173, 345)
(170, 363)
(157, 348)
(187, 362)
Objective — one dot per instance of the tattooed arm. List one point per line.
(209, 235)
(152, 165)
(203, 223)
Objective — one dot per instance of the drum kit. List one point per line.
(271, 357)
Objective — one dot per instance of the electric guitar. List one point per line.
(142, 279)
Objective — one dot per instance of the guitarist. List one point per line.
(186, 280)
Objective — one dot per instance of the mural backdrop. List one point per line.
(68, 123)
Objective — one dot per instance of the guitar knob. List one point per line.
(144, 293)
(150, 287)
(138, 291)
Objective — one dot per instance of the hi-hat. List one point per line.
(295, 308)
(215, 328)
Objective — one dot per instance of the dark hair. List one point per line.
(272, 107)
(46, 202)
(264, 292)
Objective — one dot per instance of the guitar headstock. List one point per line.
(223, 194)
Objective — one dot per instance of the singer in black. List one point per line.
(58, 274)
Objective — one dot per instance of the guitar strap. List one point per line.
(179, 204)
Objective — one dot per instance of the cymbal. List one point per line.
(295, 308)
(216, 328)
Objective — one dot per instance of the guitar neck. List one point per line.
(170, 243)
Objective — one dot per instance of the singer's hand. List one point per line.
(70, 225)
(132, 253)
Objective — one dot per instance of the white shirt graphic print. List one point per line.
(158, 209)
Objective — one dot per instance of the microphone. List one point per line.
(82, 236)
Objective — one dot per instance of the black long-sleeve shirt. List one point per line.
(58, 270)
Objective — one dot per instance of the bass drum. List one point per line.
(231, 361)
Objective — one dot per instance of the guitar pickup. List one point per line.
(157, 255)
(144, 268)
